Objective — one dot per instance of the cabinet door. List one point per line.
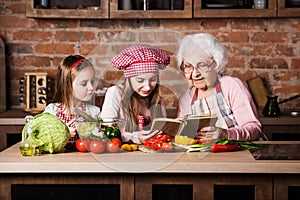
(287, 187)
(150, 9)
(288, 8)
(205, 9)
(203, 186)
(77, 9)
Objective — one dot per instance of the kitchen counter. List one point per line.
(138, 175)
(11, 161)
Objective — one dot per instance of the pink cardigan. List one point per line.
(241, 103)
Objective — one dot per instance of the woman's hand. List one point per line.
(144, 135)
(212, 132)
(72, 129)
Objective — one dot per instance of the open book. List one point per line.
(186, 126)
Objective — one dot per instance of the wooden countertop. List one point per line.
(14, 117)
(11, 161)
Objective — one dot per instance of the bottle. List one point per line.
(141, 122)
(271, 108)
(26, 148)
(44, 3)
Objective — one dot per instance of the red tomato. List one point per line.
(97, 146)
(81, 145)
(117, 142)
(112, 148)
(87, 144)
(167, 146)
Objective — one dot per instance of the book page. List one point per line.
(168, 126)
(195, 124)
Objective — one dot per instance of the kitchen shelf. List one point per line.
(32, 10)
(202, 11)
(287, 11)
(190, 9)
(185, 11)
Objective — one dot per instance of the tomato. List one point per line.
(112, 148)
(167, 146)
(81, 145)
(163, 137)
(116, 141)
(97, 146)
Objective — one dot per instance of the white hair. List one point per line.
(208, 45)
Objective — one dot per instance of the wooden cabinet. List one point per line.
(287, 9)
(286, 187)
(201, 10)
(156, 186)
(161, 10)
(11, 125)
(203, 186)
(283, 128)
(155, 9)
(96, 9)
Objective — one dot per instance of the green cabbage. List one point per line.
(49, 133)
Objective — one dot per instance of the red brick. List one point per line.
(295, 63)
(24, 61)
(295, 38)
(266, 37)
(236, 37)
(87, 49)
(55, 48)
(74, 36)
(284, 50)
(25, 35)
(112, 76)
(251, 50)
(246, 24)
(9, 21)
(214, 24)
(57, 23)
(272, 63)
(17, 8)
(282, 89)
(234, 62)
(287, 76)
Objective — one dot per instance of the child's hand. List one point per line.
(72, 127)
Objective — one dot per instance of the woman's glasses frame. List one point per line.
(201, 66)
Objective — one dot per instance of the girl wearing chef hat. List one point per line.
(138, 98)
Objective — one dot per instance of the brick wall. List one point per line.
(269, 48)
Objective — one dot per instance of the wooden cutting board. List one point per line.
(278, 152)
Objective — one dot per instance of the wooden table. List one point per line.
(138, 175)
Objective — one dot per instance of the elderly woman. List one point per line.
(203, 60)
(138, 98)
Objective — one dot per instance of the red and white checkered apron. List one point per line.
(214, 105)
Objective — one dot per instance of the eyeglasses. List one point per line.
(201, 66)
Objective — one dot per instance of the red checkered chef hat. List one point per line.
(139, 59)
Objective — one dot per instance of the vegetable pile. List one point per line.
(225, 146)
(49, 134)
(106, 138)
(160, 141)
